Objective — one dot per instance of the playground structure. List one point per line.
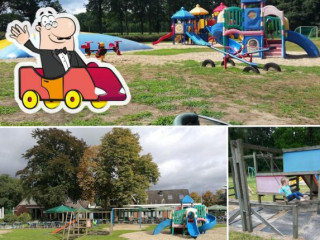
(269, 183)
(187, 219)
(102, 51)
(77, 224)
(261, 30)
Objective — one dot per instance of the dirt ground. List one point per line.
(4, 232)
(216, 234)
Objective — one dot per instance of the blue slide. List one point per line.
(211, 221)
(303, 42)
(216, 32)
(193, 229)
(197, 40)
(161, 226)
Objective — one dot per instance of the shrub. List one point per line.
(25, 217)
(2, 35)
(10, 218)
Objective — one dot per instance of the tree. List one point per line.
(221, 197)
(195, 196)
(10, 191)
(86, 171)
(50, 176)
(123, 174)
(209, 199)
(96, 8)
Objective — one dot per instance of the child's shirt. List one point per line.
(286, 190)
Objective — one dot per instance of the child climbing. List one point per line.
(285, 188)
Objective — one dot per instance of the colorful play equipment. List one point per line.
(8, 50)
(252, 30)
(191, 218)
(102, 50)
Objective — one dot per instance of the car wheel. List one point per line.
(30, 99)
(251, 69)
(73, 99)
(273, 66)
(209, 63)
(99, 104)
(52, 104)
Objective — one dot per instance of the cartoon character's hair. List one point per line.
(45, 12)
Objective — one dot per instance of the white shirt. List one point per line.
(65, 61)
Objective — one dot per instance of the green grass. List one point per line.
(165, 91)
(244, 236)
(294, 47)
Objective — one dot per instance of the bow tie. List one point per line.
(63, 50)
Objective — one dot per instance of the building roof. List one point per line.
(182, 14)
(166, 196)
(26, 202)
(77, 205)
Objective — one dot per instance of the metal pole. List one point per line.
(112, 220)
(140, 218)
(295, 221)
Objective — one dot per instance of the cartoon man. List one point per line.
(57, 41)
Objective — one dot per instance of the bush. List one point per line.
(25, 217)
(10, 218)
(2, 35)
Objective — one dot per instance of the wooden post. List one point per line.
(241, 184)
(233, 179)
(271, 163)
(295, 212)
(255, 163)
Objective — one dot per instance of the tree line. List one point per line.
(281, 138)
(147, 16)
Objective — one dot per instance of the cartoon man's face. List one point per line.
(56, 32)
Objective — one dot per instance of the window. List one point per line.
(170, 197)
(181, 196)
(252, 15)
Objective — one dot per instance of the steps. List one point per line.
(277, 52)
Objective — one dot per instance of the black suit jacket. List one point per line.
(51, 63)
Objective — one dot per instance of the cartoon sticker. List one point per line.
(62, 78)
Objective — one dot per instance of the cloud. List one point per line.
(188, 157)
(74, 7)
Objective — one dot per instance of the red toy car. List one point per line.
(95, 84)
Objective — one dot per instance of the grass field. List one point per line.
(159, 93)
(244, 236)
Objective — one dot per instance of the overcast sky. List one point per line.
(193, 157)
(74, 6)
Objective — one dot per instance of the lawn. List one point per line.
(161, 92)
(40, 234)
(244, 236)
(295, 48)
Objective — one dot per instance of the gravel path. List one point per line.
(216, 234)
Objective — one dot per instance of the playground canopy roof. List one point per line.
(60, 209)
(199, 11)
(82, 210)
(182, 14)
(220, 8)
(217, 208)
(187, 199)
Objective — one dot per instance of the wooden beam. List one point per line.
(301, 149)
(234, 216)
(266, 222)
(262, 149)
(255, 162)
(295, 212)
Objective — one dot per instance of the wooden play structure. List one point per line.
(297, 163)
(76, 225)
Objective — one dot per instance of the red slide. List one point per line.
(164, 37)
(60, 229)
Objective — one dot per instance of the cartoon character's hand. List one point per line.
(19, 34)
